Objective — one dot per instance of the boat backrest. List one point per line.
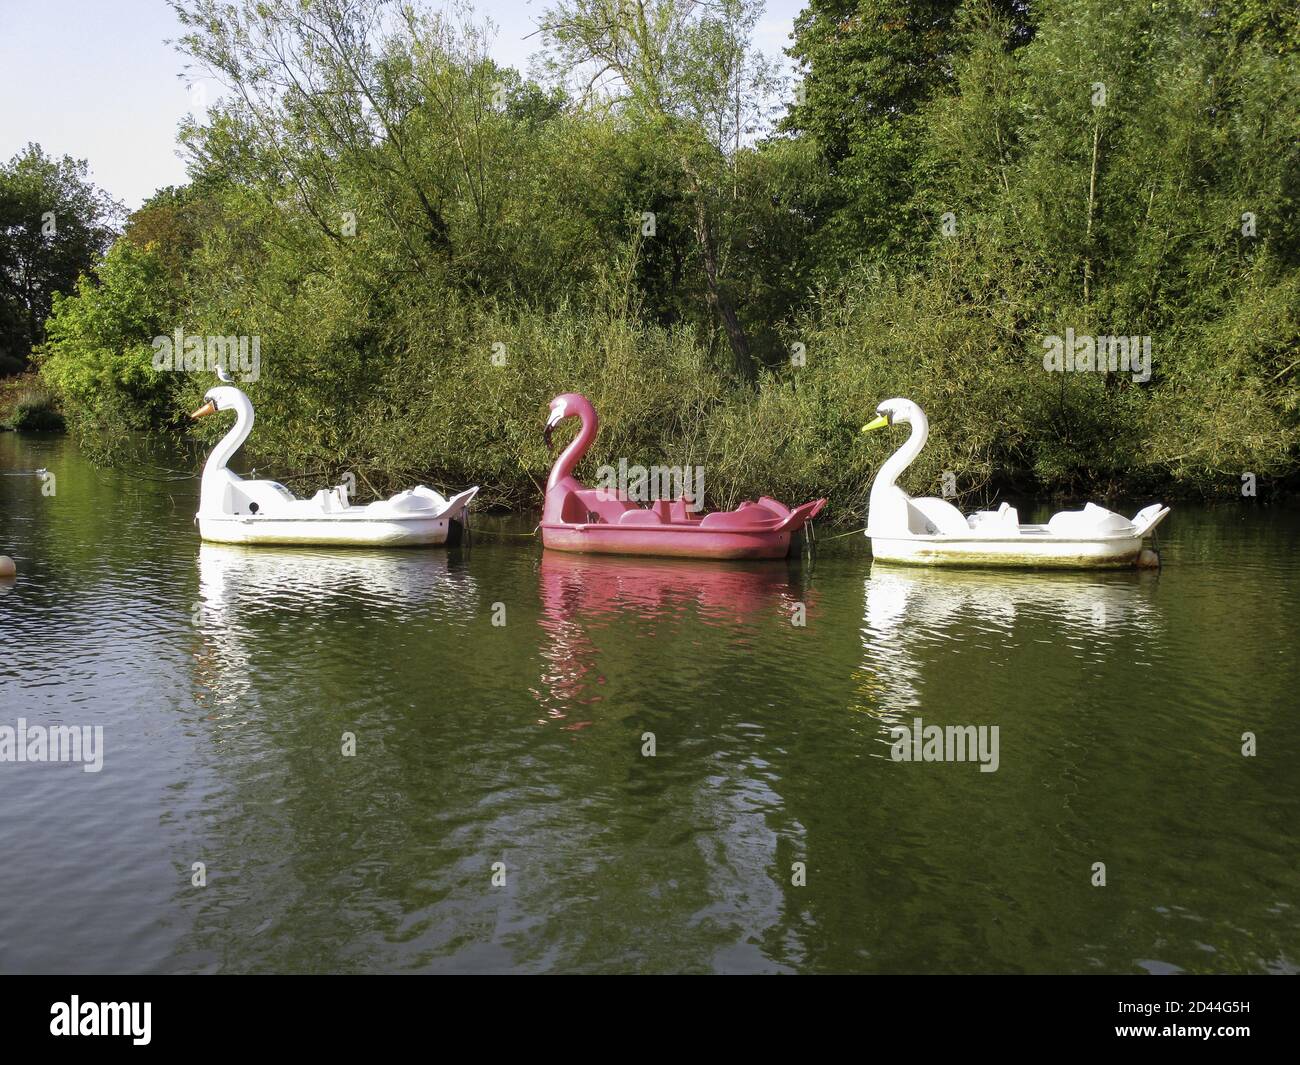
(749, 515)
(928, 516)
(640, 517)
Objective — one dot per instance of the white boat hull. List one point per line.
(1019, 551)
(339, 531)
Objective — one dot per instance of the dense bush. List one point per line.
(99, 353)
(35, 412)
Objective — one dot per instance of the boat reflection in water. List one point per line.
(271, 579)
(920, 618)
(275, 598)
(583, 594)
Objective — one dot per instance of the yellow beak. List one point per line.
(207, 408)
(878, 423)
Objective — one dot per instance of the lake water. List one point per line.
(225, 680)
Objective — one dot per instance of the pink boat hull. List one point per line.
(668, 543)
(755, 530)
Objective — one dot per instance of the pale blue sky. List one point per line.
(95, 80)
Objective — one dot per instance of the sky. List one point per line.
(95, 79)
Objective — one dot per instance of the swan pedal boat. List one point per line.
(599, 521)
(233, 510)
(933, 532)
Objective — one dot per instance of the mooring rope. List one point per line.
(851, 532)
(501, 532)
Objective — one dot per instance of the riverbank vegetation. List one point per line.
(735, 267)
(26, 406)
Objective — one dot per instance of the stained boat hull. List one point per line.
(398, 522)
(1038, 552)
(341, 532)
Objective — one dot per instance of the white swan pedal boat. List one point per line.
(233, 510)
(933, 532)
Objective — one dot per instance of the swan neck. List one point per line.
(893, 467)
(233, 440)
(571, 455)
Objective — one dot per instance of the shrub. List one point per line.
(35, 412)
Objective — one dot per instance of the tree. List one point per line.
(870, 67)
(685, 72)
(54, 225)
(173, 221)
(99, 352)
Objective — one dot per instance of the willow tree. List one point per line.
(334, 105)
(688, 74)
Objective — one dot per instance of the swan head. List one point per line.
(893, 411)
(562, 406)
(224, 397)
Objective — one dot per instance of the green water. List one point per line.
(225, 680)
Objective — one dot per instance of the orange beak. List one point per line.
(210, 407)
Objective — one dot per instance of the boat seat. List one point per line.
(1091, 521)
(749, 515)
(407, 502)
(326, 501)
(928, 516)
(580, 507)
(640, 517)
(1006, 519)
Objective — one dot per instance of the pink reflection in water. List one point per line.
(582, 593)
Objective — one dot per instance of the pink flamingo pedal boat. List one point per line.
(600, 521)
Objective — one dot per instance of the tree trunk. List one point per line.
(718, 301)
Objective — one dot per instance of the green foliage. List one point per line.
(387, 209)
(1123, 217)
(54, 224)
(36, 412)
(99, 352)
(871, 67)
